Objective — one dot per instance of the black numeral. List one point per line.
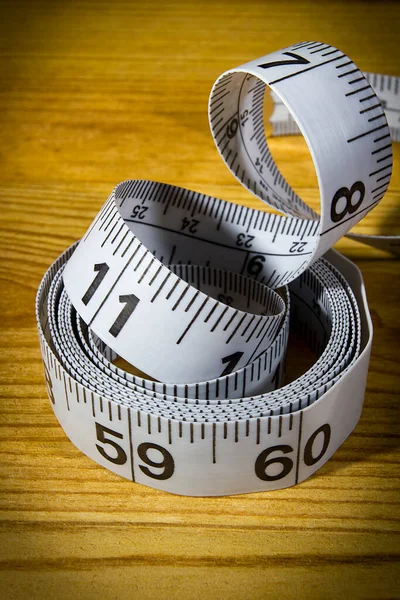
(232, 128)
(139, 211)
(297, 60)
(190, 224)
(255, 265)
(167, 462)
(244, 117)
(259, 164)
(297, 247)
(244, 239)
(101, 269)
(309, 459)
(131, 302)
(120, 458)
(349, 208)
(232, 361)
(262, 464)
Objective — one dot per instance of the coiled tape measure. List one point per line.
(199, 294)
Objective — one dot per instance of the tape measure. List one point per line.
(200, 294)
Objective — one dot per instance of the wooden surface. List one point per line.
(95, 92)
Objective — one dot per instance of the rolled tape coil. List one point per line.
(200, 294)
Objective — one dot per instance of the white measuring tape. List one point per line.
(199, 294)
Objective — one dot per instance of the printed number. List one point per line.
(297, 247)
(139, 211)
(120, 458)
(297, 60)
(190, 224)
(259, 165)
(255, 265)
(167, 462)
(244, 117)
(131, 302)
(262, 464)
(49, 384)
(349, 208)
(101, 269)
(286, 463)
(232, 361)
(244, 239)
(232, 128)
(225, 299)
(309, 459)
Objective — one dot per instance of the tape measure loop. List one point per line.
(202, 295)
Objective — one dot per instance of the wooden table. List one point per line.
(95, 92)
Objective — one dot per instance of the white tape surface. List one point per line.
(200, 294)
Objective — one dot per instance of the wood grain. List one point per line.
(95, 92)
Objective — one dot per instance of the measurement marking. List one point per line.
(383, 137)
(109, 234)
(219, 97)
(349, 62)
(357, 137)
(214, 442)
(117, 234)
(141, 260)
(230, 320)
(112, 216)
(192, 300)
(161, 286)
(172, 255)
(380, 170)
(387, 176)
(181, 297)
(108, 206)
(370, 108)
(377, 117)
(347, 72)
(66, 393)
(299, 447)
(379, 188)
(146, 270)
(236, 328)
(130, 443)
(120, 243)
(380, 149)
(177, 282)
(128, 246)
(193, 320)
(213, 328)
(211, 311)
(367, 98)
(355, 80)
(304, 44)
(367, 87)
